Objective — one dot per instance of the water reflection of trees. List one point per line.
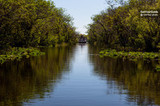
(139, 80)
(34, 77)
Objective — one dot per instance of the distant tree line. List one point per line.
(124, 28)
(26, 23)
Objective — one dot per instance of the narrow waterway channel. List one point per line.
(76, 76)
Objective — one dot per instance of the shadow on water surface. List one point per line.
(33, 78)
(137, 80)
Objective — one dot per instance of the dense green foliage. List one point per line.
(124, 28)
(26, 23)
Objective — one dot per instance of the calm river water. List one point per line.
(77, 76)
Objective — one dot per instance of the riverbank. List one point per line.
(130, 55)
(18, 53)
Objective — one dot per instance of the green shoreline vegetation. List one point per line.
(126, 32)
(123, 27)
(19, 53)
(132, 56)
(129, 55)
(28, 24)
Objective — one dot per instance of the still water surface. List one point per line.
(76, 76)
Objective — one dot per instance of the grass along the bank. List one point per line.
(19, 53)
(129, 55)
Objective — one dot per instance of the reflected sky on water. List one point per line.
(77, 76)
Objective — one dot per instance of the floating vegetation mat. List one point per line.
(19, 53)
(129, 55)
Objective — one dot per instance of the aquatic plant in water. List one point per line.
(19, 53)
(129, 55)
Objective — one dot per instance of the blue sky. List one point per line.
(81, 11)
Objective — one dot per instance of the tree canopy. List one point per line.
(124, 28)
(26, 23)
